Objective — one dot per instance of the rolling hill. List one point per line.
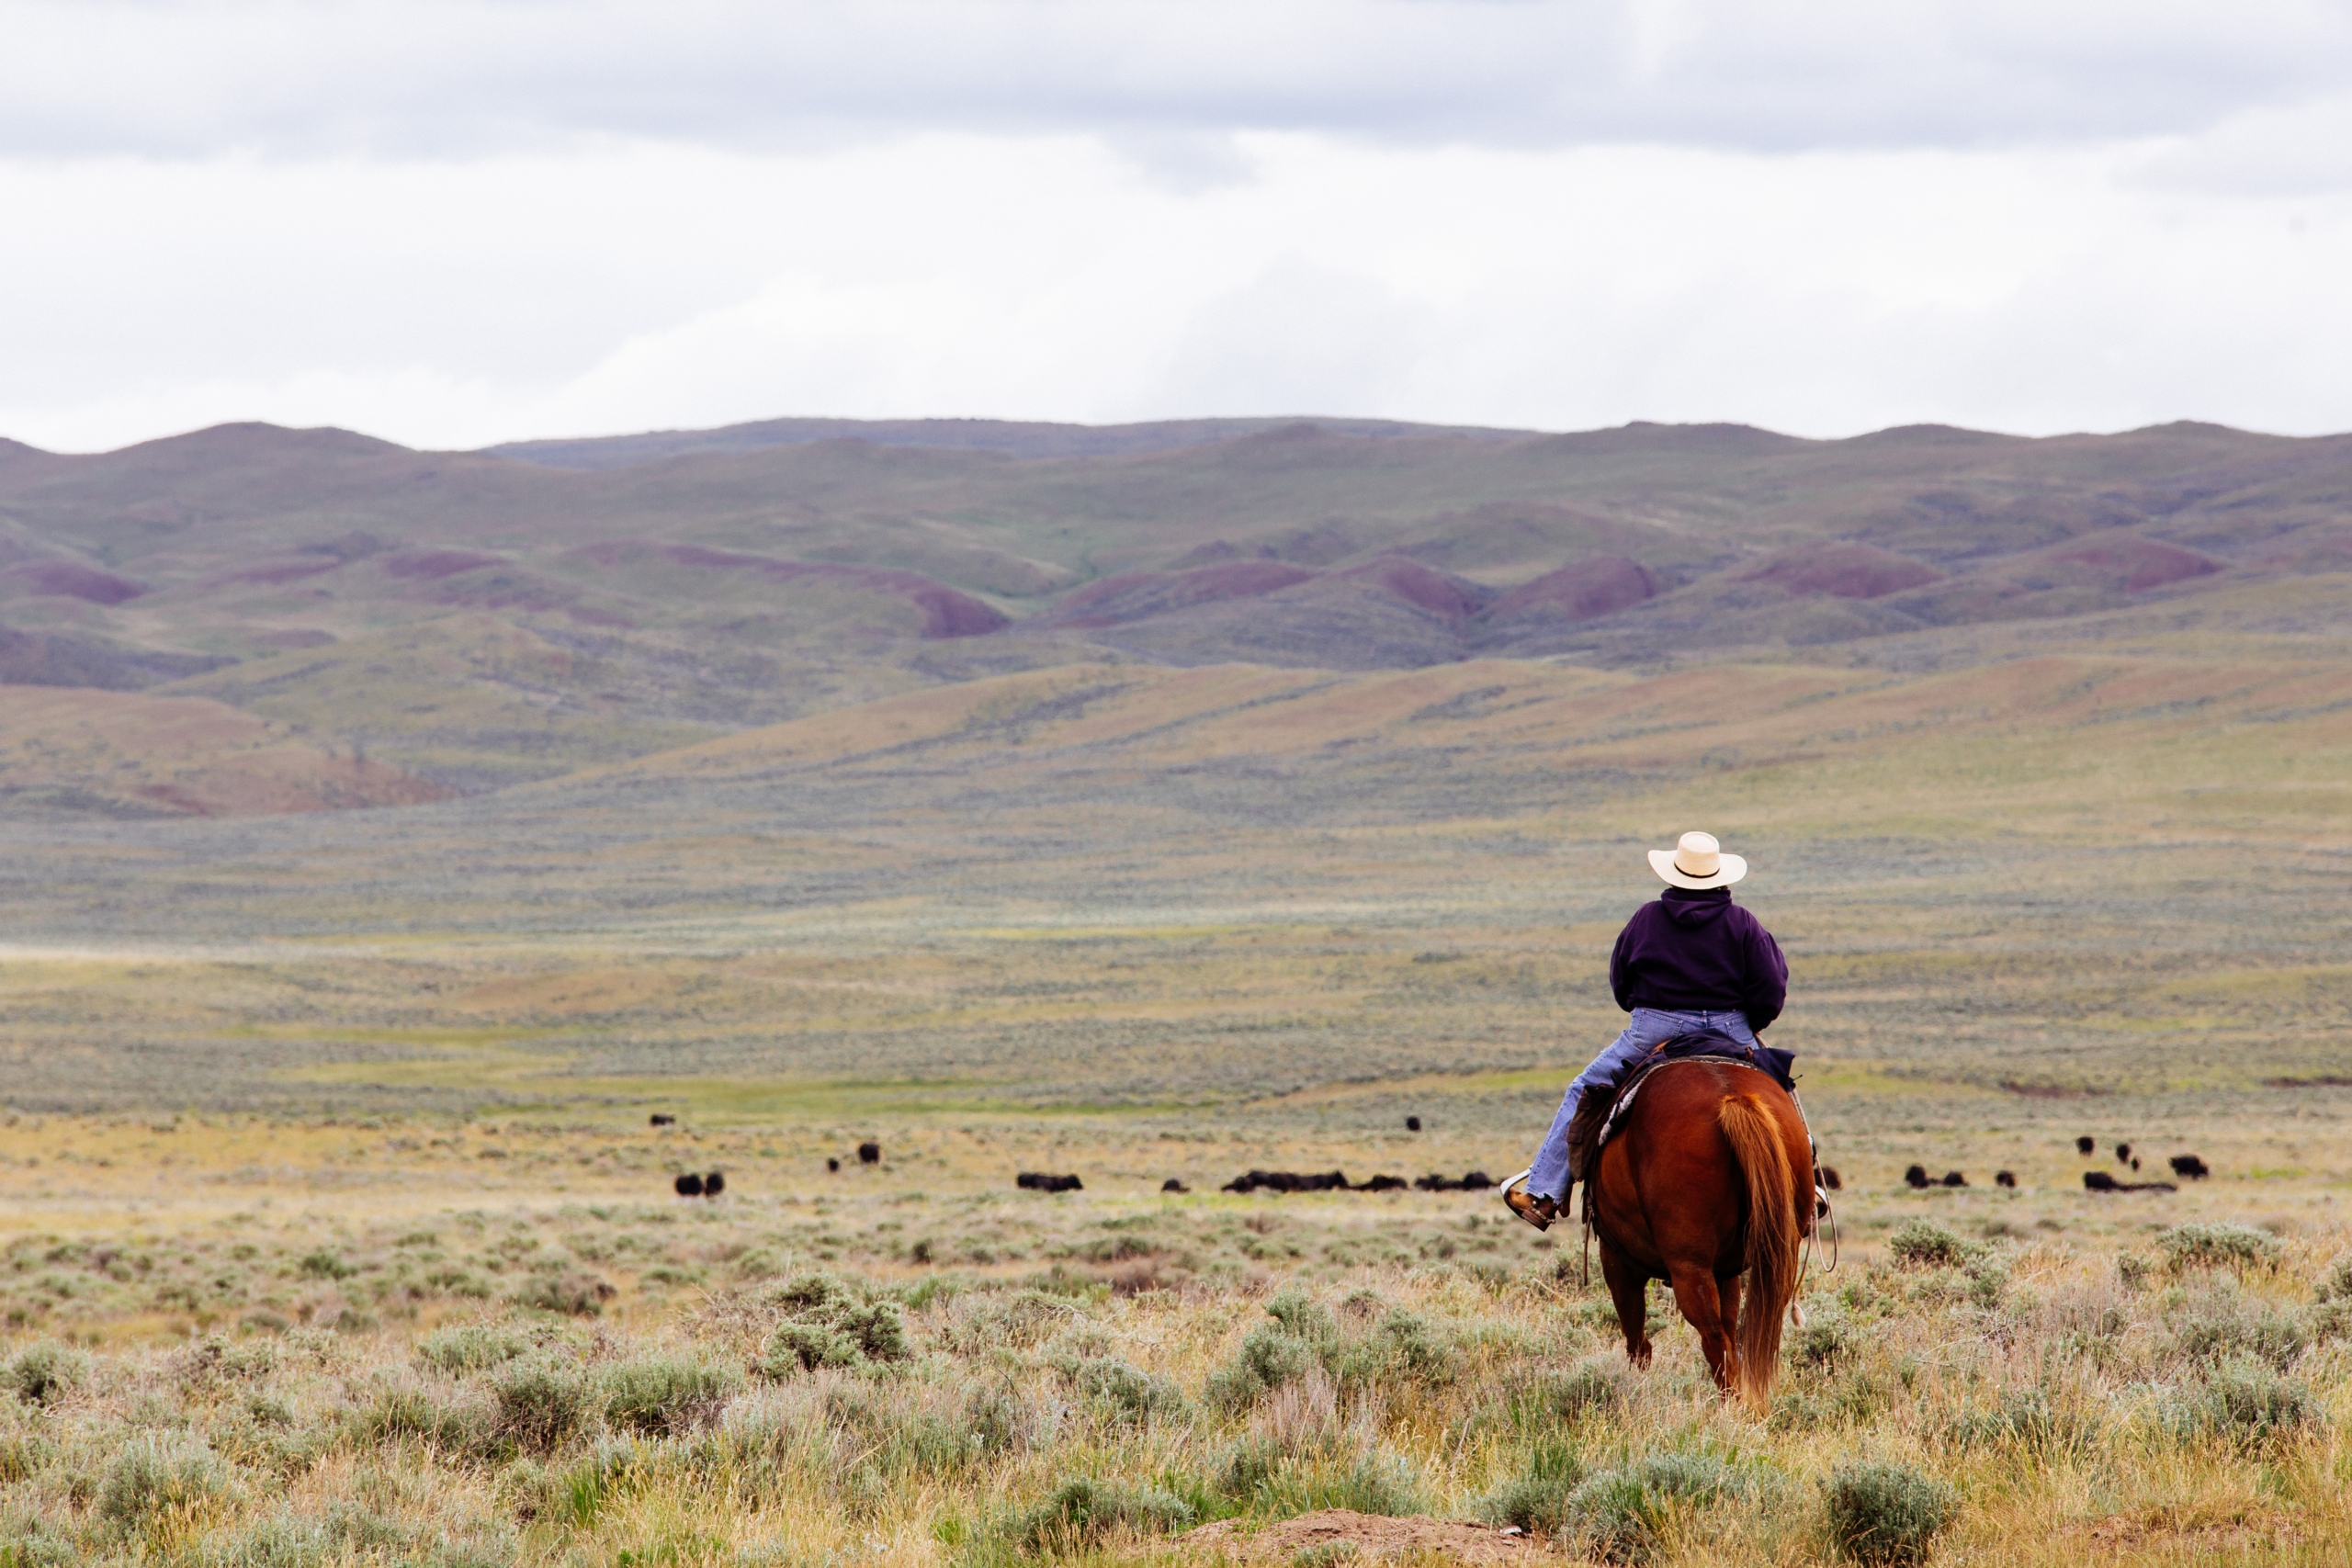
(480, 619)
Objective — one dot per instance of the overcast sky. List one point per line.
(452, 223)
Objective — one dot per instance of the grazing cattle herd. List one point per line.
(1337, 1181)
(2191, 1168)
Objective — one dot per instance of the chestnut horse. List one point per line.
(1709, 1178)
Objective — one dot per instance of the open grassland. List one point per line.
(913, 1364)
(332, 1229)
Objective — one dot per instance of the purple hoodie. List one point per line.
(1694, 951)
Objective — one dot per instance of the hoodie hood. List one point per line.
(1694, 910)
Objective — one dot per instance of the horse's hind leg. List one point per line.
(1702, 1308)
(1629, 1288)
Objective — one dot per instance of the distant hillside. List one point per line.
(479, 619)
(1014, 438)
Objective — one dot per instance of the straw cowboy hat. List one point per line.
(1698, 861)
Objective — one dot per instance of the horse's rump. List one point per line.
(1601, 1111)
(1704, 1179)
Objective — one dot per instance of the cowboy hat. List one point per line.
(1698, 861)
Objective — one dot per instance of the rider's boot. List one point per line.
(1537, 1211)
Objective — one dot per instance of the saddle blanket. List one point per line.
(1696, 1048)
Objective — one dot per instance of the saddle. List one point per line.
(1599, 1114)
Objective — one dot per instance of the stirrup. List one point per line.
(1521, 1202)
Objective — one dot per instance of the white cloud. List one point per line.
(1045, 277)
(455, 223)
(464, 78)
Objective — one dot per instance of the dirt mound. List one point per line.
(2126, 561)
(1424, 588)
(1370, 1535)
(1843, 569)
(1597, 587)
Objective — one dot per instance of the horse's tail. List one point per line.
(1772, 1241)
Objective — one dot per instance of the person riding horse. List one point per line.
(1691, 962)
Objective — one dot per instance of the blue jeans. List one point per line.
(1650, 1027)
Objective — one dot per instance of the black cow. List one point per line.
(1172, 1185)
(714, 1184)
(1040, 1181)
(1383, 1184)
(2192, 1168)
(660, 1119)
(1412, 1124)
(1830, 1178)
(2122, 1154)
(2099, 1181)
(1953, 1178)
(1288, 1181)
(2086, 1144)
(869, 1154)
(689, 1185)
(2004, 1178)
(1916, 1177)
(832, 1164)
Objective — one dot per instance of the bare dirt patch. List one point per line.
(1369, 1536)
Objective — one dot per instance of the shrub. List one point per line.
(1851, 1397)
(2222, 1246)
(2023, 1417)
(1923, 1244)
(540, 1402)
(398, 1413)
(1018, 1321)
(2219, 1327)
(2337, 1282)
(1887, 1513)
(827, 1323)
(153, 1474)
(2330, 1320)
(45, 1373)
(664, 1394)
(573, 1295)
(1538, 1498)
(1084, 1510)
(2244, 1402)
(1267, 1358)
(471, 1348)
(325, 1265)
(1305, 1318)
(1365, 1482)
(25, 1543)
(1125, 1390)
(1409, 1345)
(281, 1543)
(580, 1493)
(1827, 1339)
(1620, 1515)
(1567, 1397)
